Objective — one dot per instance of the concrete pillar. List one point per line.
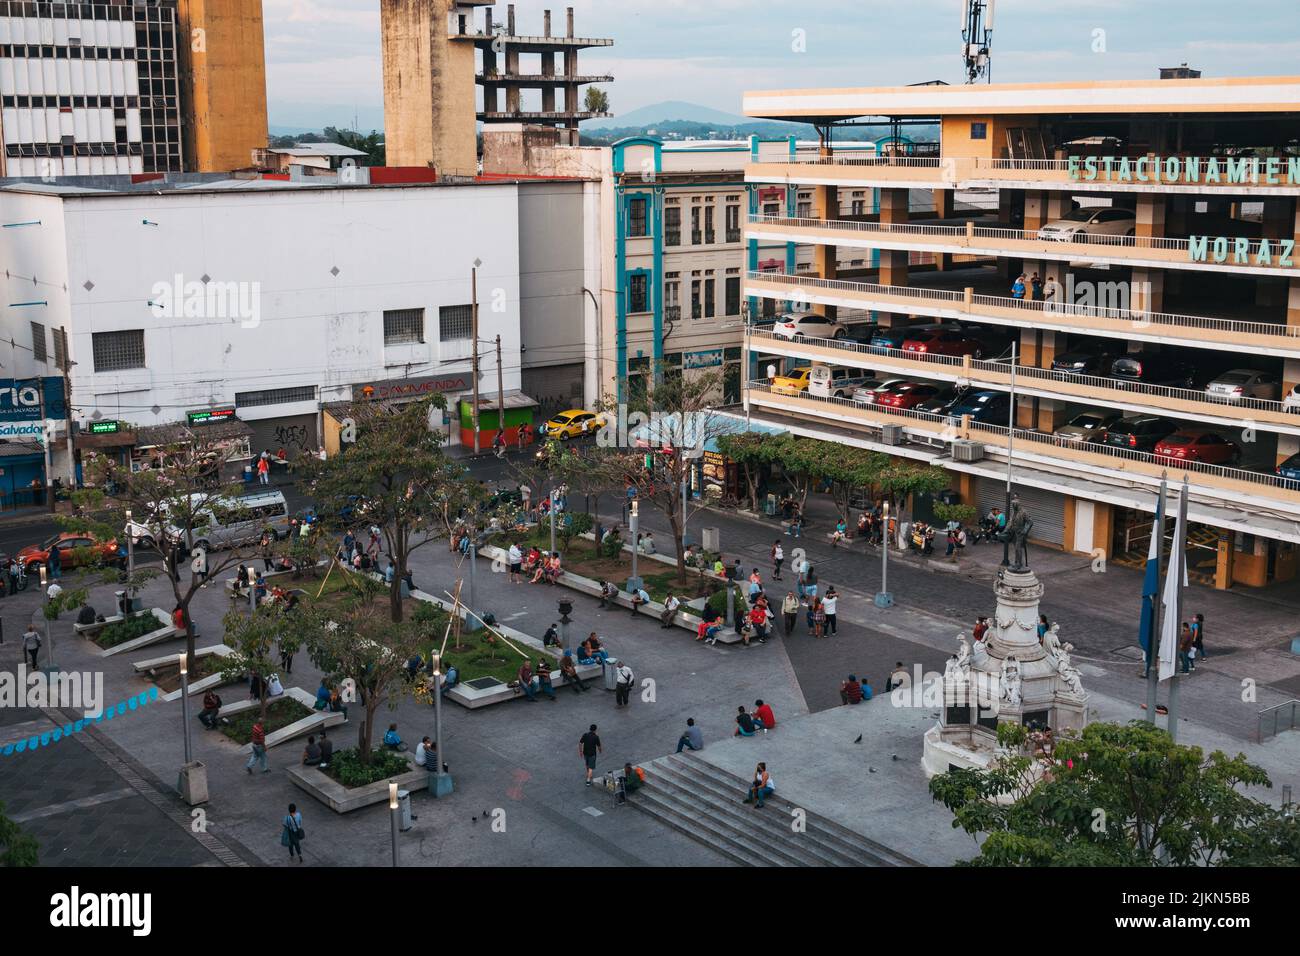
(826, 205)
(893, 211)
(546, 23)
(1147, 290)
(1150, 217)
(1103, 527)
(1035, 209)
(568, 22)
(510, 19)
(1051, 414)
(943, 207)
(1226, 558)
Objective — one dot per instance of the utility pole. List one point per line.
(473, 291)
(1011, 446)
(45, 442)
(501, 398)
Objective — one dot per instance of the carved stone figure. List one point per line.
(1011, 681)
(1052, 642)
(979, 653)
(1018, 527)
(963, 654)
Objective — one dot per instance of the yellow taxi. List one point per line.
(572, 423)
(793, 382)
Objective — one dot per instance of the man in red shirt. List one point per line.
(851, 691)
(763, 714)
(259, 748)
(758, 620)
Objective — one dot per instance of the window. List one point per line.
(636, 219)
(733, 224)
(403, 326)
(455, 322)
(695, 299)
(61, 349)
(771, 209)
(38, 343)
(116, 351)
(803, 210)
(708, 298)
(733, 295)
(708, 225)
(979, 130)
(636, 293)
(696, 235)
(673, 226)
(858, 207)
(275, 396)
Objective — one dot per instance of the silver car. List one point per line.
(238, 521)
(1239, 383)
(1088, 426)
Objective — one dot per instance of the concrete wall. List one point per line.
(395, 248)
(223, 82)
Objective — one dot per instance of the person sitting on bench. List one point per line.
(639, 597)
(608, 594)
(590, 652)
(311, 753)
(391, 739)
(211, 708)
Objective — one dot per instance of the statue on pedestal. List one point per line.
(1018, 527)
(1011, 681)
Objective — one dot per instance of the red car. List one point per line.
(944, 342)
(908, 395)
(71, 551)
(1205, 447)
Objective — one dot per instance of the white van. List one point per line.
(239, 521)
(827, 381)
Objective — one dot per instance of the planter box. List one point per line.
(200, 686)
(313, 721)
(476, 697)
(90, 630)
(266, 575)
(164, 633)
(342, 799)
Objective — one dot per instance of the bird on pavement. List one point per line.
(859, 740)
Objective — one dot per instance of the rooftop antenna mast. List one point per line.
(976, 39)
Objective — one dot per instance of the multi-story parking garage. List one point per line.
(1160, 218)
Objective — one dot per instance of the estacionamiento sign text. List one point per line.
(1245, 170)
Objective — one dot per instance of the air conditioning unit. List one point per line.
(963, 450)
(891, 434)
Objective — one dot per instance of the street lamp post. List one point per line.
(552, 510)
(883, 597)
(1011, 441)
(634, 522)
(439, 783)
(394, 814)
(49, 641)
(185, 706)
(130, 562)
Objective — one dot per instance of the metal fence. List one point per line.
(1278, 718)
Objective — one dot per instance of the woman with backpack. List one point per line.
(292, 833)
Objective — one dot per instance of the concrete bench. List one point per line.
(165, 632)
(90, 630)
(200, 686)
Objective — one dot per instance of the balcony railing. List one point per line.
(673, 313)
(908, 162)
(998, 372)
(733, 235)
(1137, 318)
(673, 237)
(709, 237)
(948, 428)
(966, 238)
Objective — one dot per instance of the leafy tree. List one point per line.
(751, 451)
(963, 514)
(256, 641)
(1115, 795)
(372, 143)
(394, 476)
(596, 100)
(849, 469)
(16, 847)
(176, 500)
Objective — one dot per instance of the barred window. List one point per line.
(403, 326)
(61, 349)
(115, 351)
(455, 322)
(275, 396)
(38, 343)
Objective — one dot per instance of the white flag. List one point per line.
(1175, 579)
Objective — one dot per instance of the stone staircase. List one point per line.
(704, 803)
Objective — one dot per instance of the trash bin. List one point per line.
(122, 607)
(611, 674)
(404, 809)
(710, 539)
(248, 474)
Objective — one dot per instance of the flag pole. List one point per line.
(1153, 666)
(1179, 559)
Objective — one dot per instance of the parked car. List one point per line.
(1290, 468)
(894, 338)
(944, 342)
(1195, 445)
(1291, 401)
(810, 325)
(571, 423)
(1085, 361)
(794, 381)
(982, 406)
(1080, 225)
(1089, 426)
(938, 404)
(75, 550)
(869, 392)
(1239, 383)
(1139, 432)
(1153, 368)
(908, 394)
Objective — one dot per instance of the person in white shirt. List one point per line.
(670, 611)
(829, 603)
(423, 751)
(623, 685)
(515, 558)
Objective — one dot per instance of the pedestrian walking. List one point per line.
(1185, 648)
(1018, 287)
(778, 557)
(589, 748)
(264, 471)
(55, 563)
(259, 748)
(623, 684)
(31, 644)
(1198, 636)
(829, 604)
(14, 573)
(286, 659)
(789, 612)
(292, 834)
(267, 547)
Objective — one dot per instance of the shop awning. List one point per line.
(152, 436)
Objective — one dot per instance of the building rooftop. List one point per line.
(317, 149)
(71, 189)
(1268, 94)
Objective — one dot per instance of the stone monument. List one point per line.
(1006, 677)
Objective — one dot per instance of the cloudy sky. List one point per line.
(323, 63)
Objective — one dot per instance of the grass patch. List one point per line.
(280, 713)
(168, 676)
(346, 767)
(120, 632)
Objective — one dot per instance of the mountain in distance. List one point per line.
(668, 110)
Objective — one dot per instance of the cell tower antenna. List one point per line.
(977, 39)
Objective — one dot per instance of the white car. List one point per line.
(808, 325)
(1239, 383)
(1079, 225)
(1291, 401)
(869, 391)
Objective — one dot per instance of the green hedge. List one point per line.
(122, 631)
(346, 767)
